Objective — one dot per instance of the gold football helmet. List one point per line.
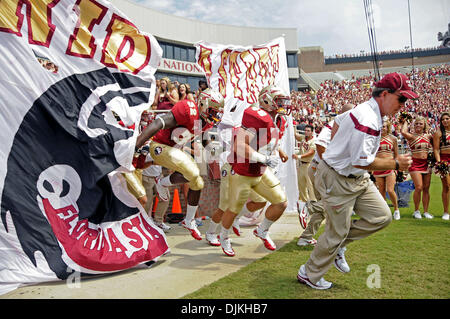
(211, 104)
(272, 98)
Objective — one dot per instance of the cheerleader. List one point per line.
(385, 180)
(419, 143)
(441, 150)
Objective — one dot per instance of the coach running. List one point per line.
(344, 183)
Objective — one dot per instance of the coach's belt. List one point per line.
(348, 176)
(304, 162)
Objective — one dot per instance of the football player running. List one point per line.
(253, 152)
(173, 129)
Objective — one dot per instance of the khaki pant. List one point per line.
(161, 208)
(315, 209)
(305, 187)
(340, 196)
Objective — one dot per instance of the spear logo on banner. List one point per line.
(69, 70)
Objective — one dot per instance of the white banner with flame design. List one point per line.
(239, 73)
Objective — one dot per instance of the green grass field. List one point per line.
(412, 258)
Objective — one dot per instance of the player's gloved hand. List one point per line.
(269, 160)
(143, 150)
(272, 161)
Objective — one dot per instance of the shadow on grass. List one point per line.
(435, 222)
(293, 247)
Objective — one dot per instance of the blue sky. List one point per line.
(338, 26)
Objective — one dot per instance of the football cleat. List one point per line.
(236, 227)
(306, 242)
(226, 246)
(264, 236)
(192, 227)
(163, 192)
(303, 214)
(212, 239)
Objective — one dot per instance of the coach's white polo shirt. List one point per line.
(357, 140)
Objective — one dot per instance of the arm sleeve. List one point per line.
(324, 137)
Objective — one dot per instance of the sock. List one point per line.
(165, 181)
(244, 211)
(224, 232)
(265, 224)
(212, 227)
(190, 213)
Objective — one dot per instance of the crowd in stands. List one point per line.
(317, 107)
(363, 53)
(168, 93)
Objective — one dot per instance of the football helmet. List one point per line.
(272, 98)
(211, 104)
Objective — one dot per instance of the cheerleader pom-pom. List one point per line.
(431, 160)
(401, 177)
(441, 169)
(406, 116)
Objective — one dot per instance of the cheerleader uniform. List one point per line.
(420, 144)
(445, 157)
(386, 147)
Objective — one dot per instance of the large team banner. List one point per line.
(239, 73)
(70, 70)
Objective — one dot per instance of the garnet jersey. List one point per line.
(266, 136)
(186, 115)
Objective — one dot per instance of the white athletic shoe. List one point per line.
(417, 214)
(302, 277)
(192, 227)
(264, 236)
(236, 227)
(303, 214)
(212, 239)
(305, 242)
(340, 263)
(428, 215)
(397, 214)
(163, 192)
(445, 216)
(226, 246)
(163, 226)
